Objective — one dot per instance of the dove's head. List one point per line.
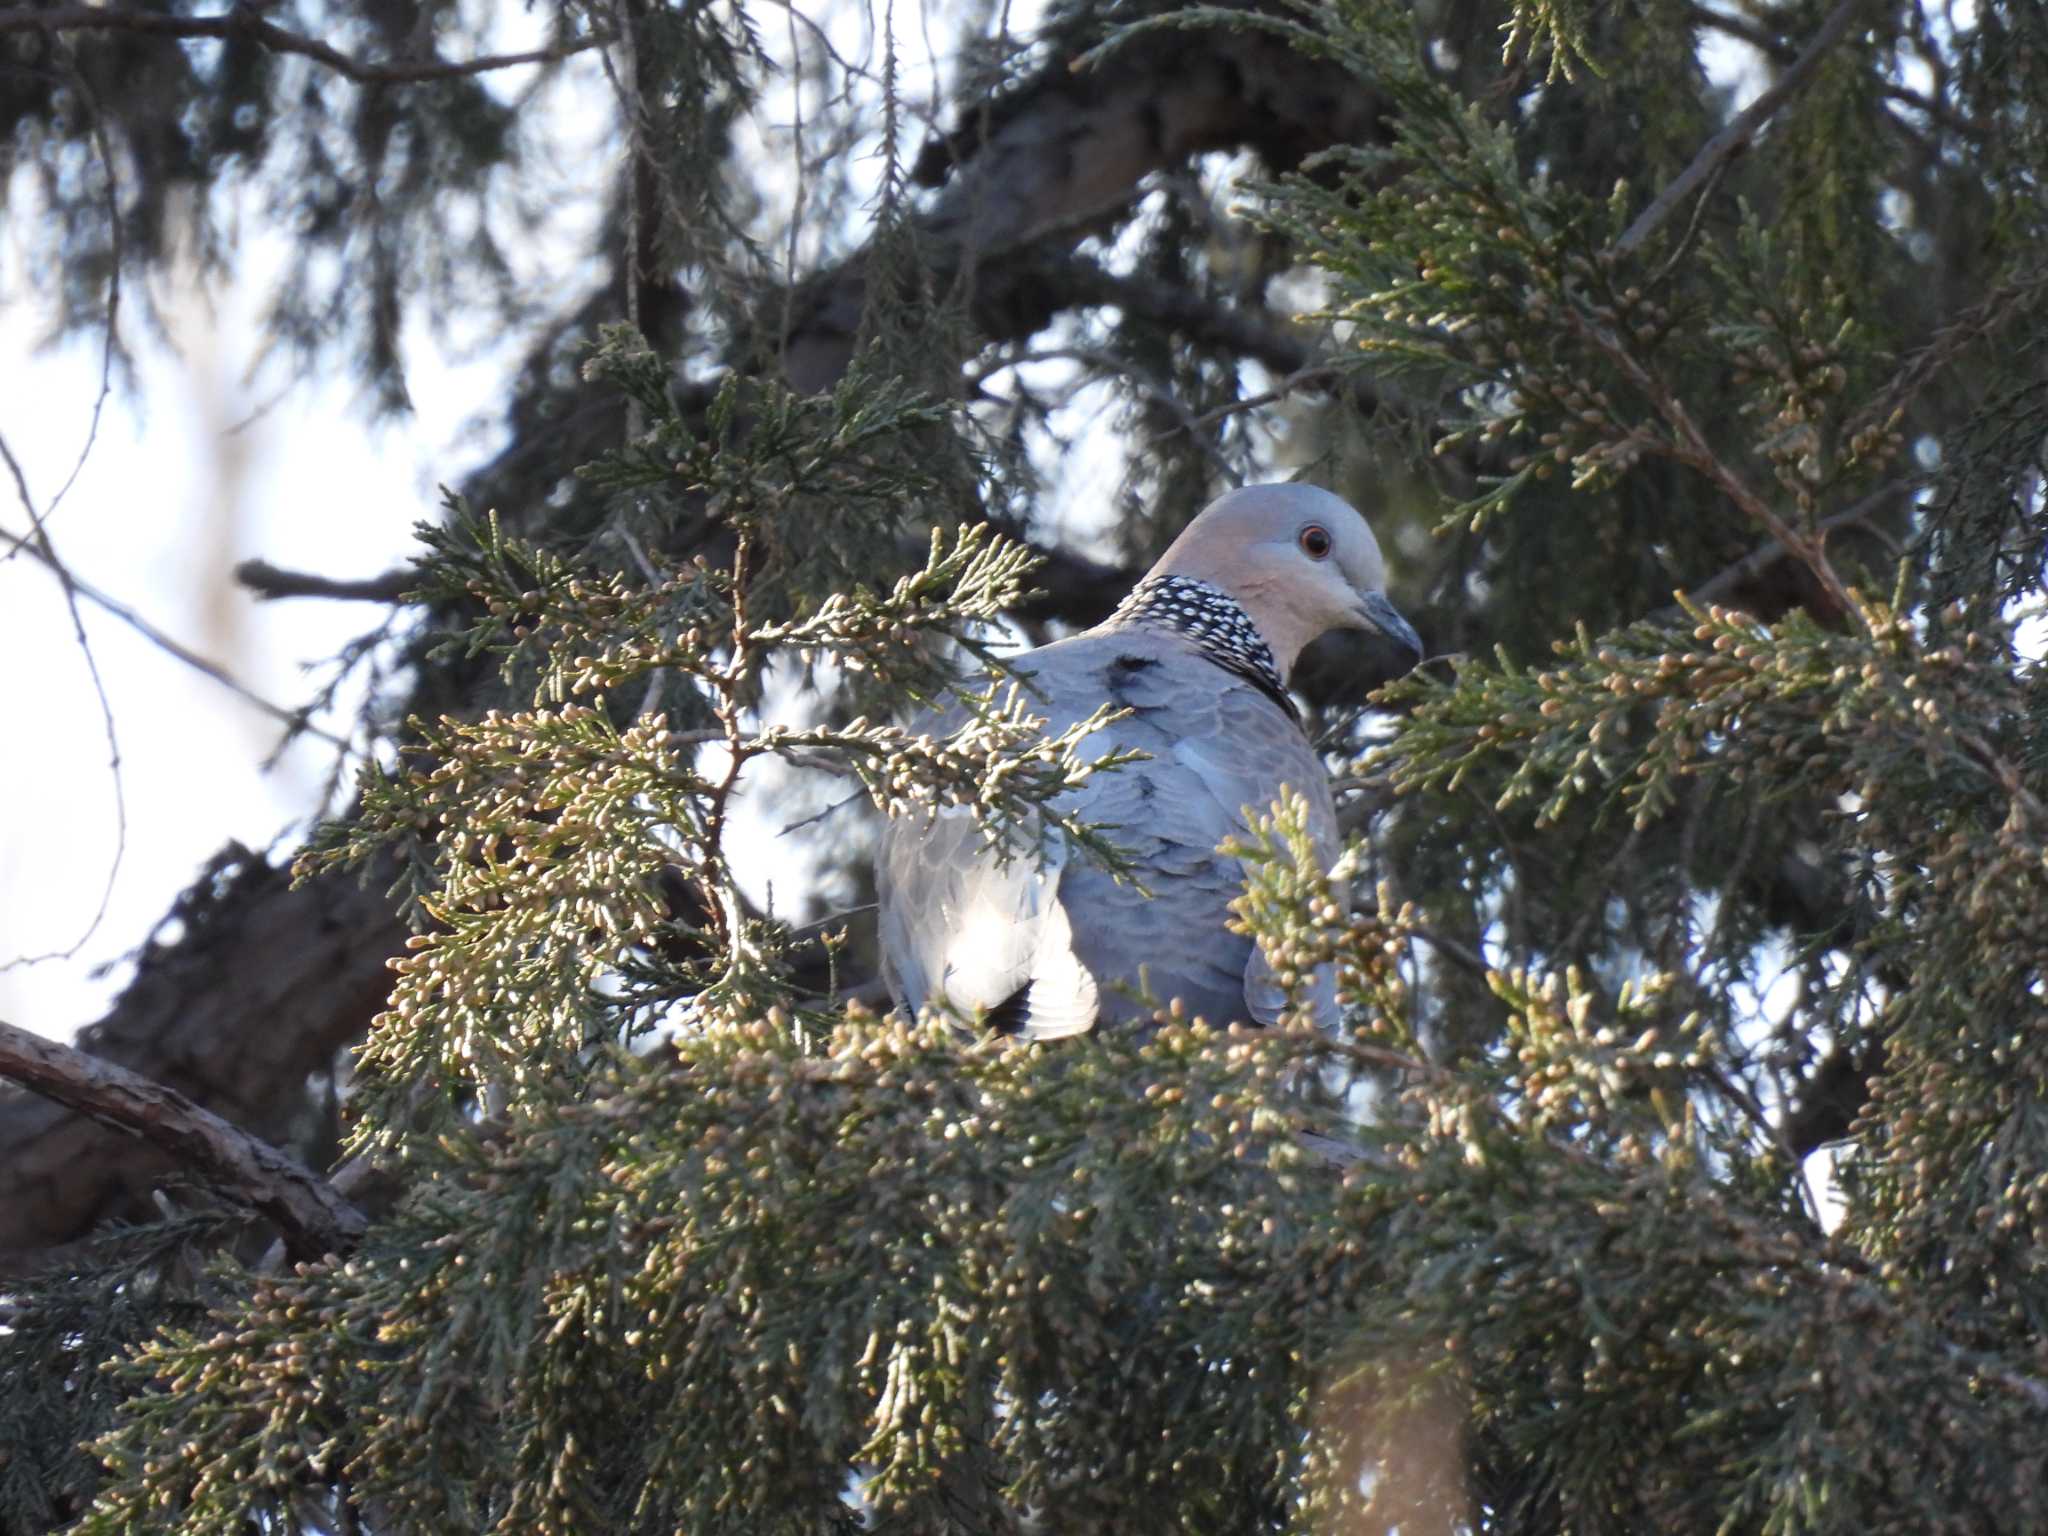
(1298, 560)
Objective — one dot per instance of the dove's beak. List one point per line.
(1376, 613)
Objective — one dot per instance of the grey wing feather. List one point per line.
(1060, 941)
(1247, 759)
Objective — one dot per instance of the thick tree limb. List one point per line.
(315, 1219)
(1068, 152)
(1831, 1098)
(243, 22)
(266, 984)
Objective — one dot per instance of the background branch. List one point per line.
(1735, 138)
(316, 1220)
(243, 22)
(269, 582)
(191, 658)
(1731, 578)
(40, 546)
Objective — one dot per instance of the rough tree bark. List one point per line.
(264, 986)
(316, 1220)
(268, 983)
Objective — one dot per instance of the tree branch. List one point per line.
(163, 642)
(261, 985)
(1832, 1096)
(1280, 350)
(1988, 320)
(1735, 138)
(243, 22)
(270, 583)
(316, 1220)
(44, 550)
(1732, 578)
(1060, 156)
(1690, 447)
(1774, 47)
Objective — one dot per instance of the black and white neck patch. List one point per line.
(1211, 618)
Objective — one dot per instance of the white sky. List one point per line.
(169, 500)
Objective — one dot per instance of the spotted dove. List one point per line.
(1198, 653)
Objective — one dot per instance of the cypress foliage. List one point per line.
(1717, 838)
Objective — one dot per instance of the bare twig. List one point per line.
(625, 83)
(294, 718)
(1767, 554)
(1338, 1154)
(1736, 137)
(813, 930)
(1286, 352)
(658, 678)
(270, 583)
(1690, 447)
(800, 179)
(1379, 1058)
(1454, 950)
(115, 257)
(1692, 228)
(1144, 382)
(682, 740)
(1986, 321)
(1744, 1098)
(315, 1219)
(243, 22)
(2032, 1388)
(39, 546)
(1768, 43)
(1316, 376)
(1196, 317)
(1985, 756)
(817, 816)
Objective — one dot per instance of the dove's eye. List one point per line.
(1315, 541)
